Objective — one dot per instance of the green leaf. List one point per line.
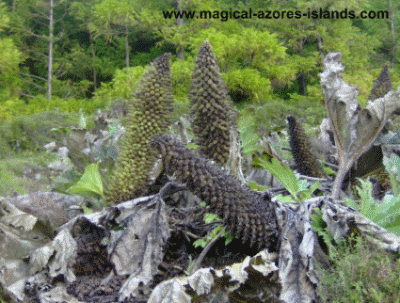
(199, 242)
(282, 198)
(228, 237)
(246, 124)
(210, 217)
(192, 146)
(89, 182)
(283, 173)
(386, 214)
(250, 147)
(297, 188)
(255, 186)
(328, 170)
(307, 192)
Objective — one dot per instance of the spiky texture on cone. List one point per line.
(148, 114)
(306, 162)
(247, 214)
(210, 107)
(382, 85)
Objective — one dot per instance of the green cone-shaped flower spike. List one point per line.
(210, 107)
(148, 114)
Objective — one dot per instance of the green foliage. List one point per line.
(33, 131)
(209, 218)
(239, 45)
(300, 190)
(354, 45)
(13, 169)
(250, 82)
(386, 214)
(66, 180)
(64, 89)
(255, 186)
(181, 73)
(270, 115)
(11, 57)
(5, 149)
(392, 165)
(16, 107)
(259, 58)
(328, 170)
(246, 124)
(11, 108)
(122, 85)
(362, 273)
(321, 228)
(144, 58)
(90, 182)
(247, 58)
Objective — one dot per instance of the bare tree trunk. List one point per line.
(393, 50)
(301, 78)
(50, 60)
(127, 47)
(13, 6)
(179, 22)
(93, 62)
(319, 42)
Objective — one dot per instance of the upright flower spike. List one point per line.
(210, 107)
(149, 114)
(248, 214)
(382, 85)
(306, 162)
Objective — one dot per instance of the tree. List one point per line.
(37, 20)
(11, 57)
(385, 31)
(83, 10)
(114, 19)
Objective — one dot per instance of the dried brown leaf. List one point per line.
(354, 129)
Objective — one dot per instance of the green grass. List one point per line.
(13, 168)
(361, 273)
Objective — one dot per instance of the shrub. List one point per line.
(271, 114)
(122, 85)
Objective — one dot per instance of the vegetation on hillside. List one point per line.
(92, 52)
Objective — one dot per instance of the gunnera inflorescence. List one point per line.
(306, 162)
(210, 107)
(246, 213)
(382, 85)
(149, 114)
